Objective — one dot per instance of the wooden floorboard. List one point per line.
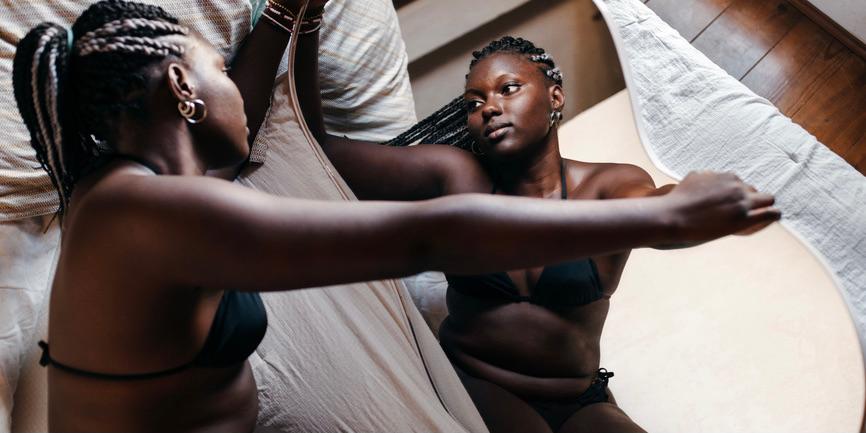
(746, 31)
(787, 75)
(836, 112)
(783, 56)
(689, 17)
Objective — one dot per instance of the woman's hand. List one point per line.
(710, 205)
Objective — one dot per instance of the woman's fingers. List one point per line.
(759, 219)
(758, 200)
(718, 204)
(764, 214)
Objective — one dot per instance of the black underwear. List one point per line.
(557, 412)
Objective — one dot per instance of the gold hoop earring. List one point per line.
(194, 110)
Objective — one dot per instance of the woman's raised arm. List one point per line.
(255, 65)
(254, 68)
(375, 171)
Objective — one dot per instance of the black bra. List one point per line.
(566, 284)
(238, 327)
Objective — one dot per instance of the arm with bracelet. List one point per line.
(256, 62)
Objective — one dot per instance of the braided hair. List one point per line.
(448, 125)
(107, 58)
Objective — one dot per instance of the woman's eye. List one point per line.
(472, 105)
(510, 88)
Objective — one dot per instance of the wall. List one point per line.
(570, 30)
(850, 14)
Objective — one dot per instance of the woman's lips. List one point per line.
(498, 133)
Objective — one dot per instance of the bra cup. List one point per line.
(567, 284)
(559, 286)
(238, 327)
(488, 286)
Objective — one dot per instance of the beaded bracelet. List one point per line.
(284, 19)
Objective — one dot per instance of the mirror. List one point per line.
(740, 334)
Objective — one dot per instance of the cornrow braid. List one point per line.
(509, 44)
(110, 37)
(130, 25)
(129, 44)
(108, 64)
(39, 94)
(448, 124)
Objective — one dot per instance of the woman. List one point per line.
(525, 342)
(154, 309)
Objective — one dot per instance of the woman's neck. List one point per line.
(536, 176)
(171, 149)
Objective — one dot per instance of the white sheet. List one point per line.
(353, 357)
(28, 253)
(695, 116)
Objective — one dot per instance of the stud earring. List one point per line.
(194, 110)
(555, 118)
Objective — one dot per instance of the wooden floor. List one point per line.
(776, 51)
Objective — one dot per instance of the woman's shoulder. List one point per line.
(118, 199)
(600, 179)
(459, 169)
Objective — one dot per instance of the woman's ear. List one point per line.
(557, 97)
(179, 82)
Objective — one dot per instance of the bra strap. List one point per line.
(562, 178)
(45, 360)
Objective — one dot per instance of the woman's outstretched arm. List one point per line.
(196, 226)
(631, 181)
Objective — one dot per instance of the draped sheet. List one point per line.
(697, 117)
(354, 357)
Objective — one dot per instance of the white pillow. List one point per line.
(25, 189)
